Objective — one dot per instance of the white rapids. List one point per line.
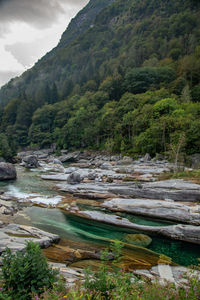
(20, 196)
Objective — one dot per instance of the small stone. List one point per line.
(147, 157)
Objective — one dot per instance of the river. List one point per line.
(74, 231)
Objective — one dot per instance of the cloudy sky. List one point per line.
(29, 29)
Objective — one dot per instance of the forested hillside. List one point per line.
(125, 77)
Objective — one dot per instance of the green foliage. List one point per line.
(164, 106)
(126, 79)
(118, 285)
(196, 93)
(108, 277)
(26, 273)
(139, 80)
(6, 150)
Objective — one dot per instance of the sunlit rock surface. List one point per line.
(14, 236)
(168, 210)
(7, 171)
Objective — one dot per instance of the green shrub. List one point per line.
(110, 282)
(142, 289)
(109, 277)
(25, 273)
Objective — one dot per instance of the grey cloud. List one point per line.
(39, 13)
(24, 53)
(5, 76)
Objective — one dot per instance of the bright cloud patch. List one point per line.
(29, 29)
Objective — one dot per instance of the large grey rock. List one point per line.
(83, 188)
(125, 161)
(115, 158)
(70, 157)
(92, 176)
(31, 161)
(174, 184)
(134, 190)
(55, 177)
(7, 171)
(51, 167)
(5, 210)
(74, 178)
(165, 274)
(147, 157)
(70, 170)
(57, 161)
(14, 236)
(156, 193)
(106, 166)
(165, 210)
(71, 276)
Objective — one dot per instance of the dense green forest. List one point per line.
(128, 81)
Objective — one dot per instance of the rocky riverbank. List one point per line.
(14, 236)
(96, 188)
(127, 185)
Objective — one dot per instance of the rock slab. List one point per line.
(7, 171)
(14, 236)
(31, 161)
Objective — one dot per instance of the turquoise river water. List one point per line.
(75, 229)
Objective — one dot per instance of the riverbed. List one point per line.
(77, 233)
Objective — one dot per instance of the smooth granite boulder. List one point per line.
(74, 178)
(14, 236)
(162, 209)
(31, 161)
(7, 171)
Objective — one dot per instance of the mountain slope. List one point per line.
(126, 31)
(129, 81)
(81, 23)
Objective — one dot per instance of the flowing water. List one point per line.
(30, 186)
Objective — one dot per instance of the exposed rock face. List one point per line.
(69, 255)
(57, 161)
(70, 157)
(70, 275)
(163, 273)
(7, 171)
(56, 177)
(177, 190)
(74, 178)
(167, 210)
(183, 191)
(31, 161)
(175, 184)
(147, 157)
(7, 208)
(14, 236)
